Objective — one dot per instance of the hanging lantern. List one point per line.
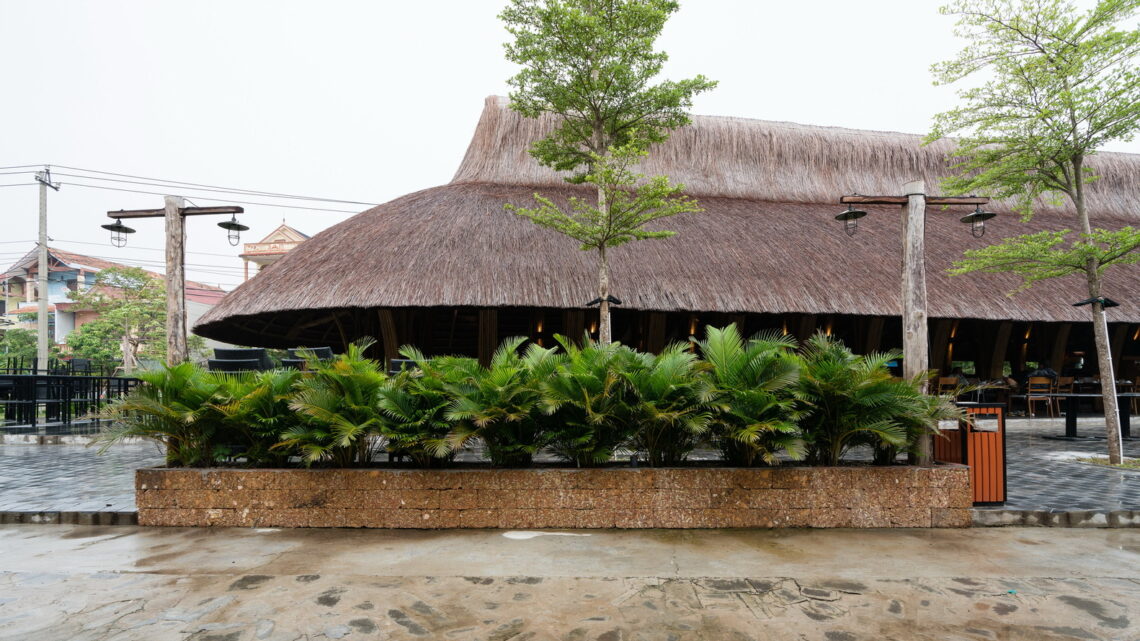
(119, 232)
(977, 221)
(233, 229)
(850, 218)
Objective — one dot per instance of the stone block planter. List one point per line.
(852, 497)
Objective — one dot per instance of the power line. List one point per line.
(203, 187)
(17, 184)
(13, 173)
(217, 200)
(156, 249)
(40, 166)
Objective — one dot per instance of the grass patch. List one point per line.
(1126, 464)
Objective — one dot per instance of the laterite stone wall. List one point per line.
(855, 497)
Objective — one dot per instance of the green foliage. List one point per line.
(670, 403)
(175, 406)
(585, 396)
(1059, 84)
(500, 404)
(254, 408)
(415, 404)
(752, 398)
(130, 303)
(627, 202)
(844, 399)
(17, 343)
(339, 403)
(1045, 255)
(752, 378)
(591, 63)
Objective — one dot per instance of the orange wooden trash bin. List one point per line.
(980, 446)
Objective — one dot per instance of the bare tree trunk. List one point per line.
(1100, 329)
(604, 332)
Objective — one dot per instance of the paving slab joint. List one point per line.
(70, 518)
(1047, 518)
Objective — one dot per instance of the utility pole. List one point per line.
(44, 179)
(174, 214)
(916, 347)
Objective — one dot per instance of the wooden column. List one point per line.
(874, 335)
(916, 357)
(655, 332)
(388, 337)
(574, 324)
(488, 334)
(175, 280)
(940, 345)
(1060, 346)
(1001, 346)
(1119, 336)
(806, 327)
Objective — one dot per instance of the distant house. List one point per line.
(266, 251)
(71, 272)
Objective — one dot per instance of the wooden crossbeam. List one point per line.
(901, 200)
(185, 211)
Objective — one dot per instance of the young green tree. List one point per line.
(131, 305)
(17, 343)
(591, 63)
(1058, 84)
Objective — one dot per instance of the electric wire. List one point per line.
(205, 187)
(217, 200)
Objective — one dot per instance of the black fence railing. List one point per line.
(56, 403)
(58, 367)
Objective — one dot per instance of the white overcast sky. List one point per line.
(370, 100)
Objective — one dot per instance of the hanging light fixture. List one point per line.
(850, 218)
(977, 221)
(233, 229)
(119, 232)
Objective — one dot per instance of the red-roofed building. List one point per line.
(70, 272)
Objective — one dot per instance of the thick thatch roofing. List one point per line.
(766, 243)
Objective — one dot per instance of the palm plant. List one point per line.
(339, 404)
(844, 400)
(500, 404)
(174, 407)
(254, 407)
(414, 406)
(585, 395)
(753, 381)
(670, 403)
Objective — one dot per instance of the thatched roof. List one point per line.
(766, 243)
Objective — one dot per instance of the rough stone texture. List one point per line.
(856, 497)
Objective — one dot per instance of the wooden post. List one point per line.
(941, 346)
(916, 355)
(655, 332)
(488, 335)
(1001, 346)
(175, 280)
(874, 335)
(1060, 345)
(388, 337)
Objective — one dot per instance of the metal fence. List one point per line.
(56, 403)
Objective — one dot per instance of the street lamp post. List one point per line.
(916, 351)
(174, 213)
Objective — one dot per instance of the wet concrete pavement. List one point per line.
(123, 583)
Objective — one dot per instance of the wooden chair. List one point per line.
(1036, 391)
(947, 385)
(1064, 385)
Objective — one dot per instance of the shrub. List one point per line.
(175, 406)
(339, 407)
(501, 404)
(670, 403)
(754, 403)
(585, 397)
(255, 411)
(843, 400)
(415, 402)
